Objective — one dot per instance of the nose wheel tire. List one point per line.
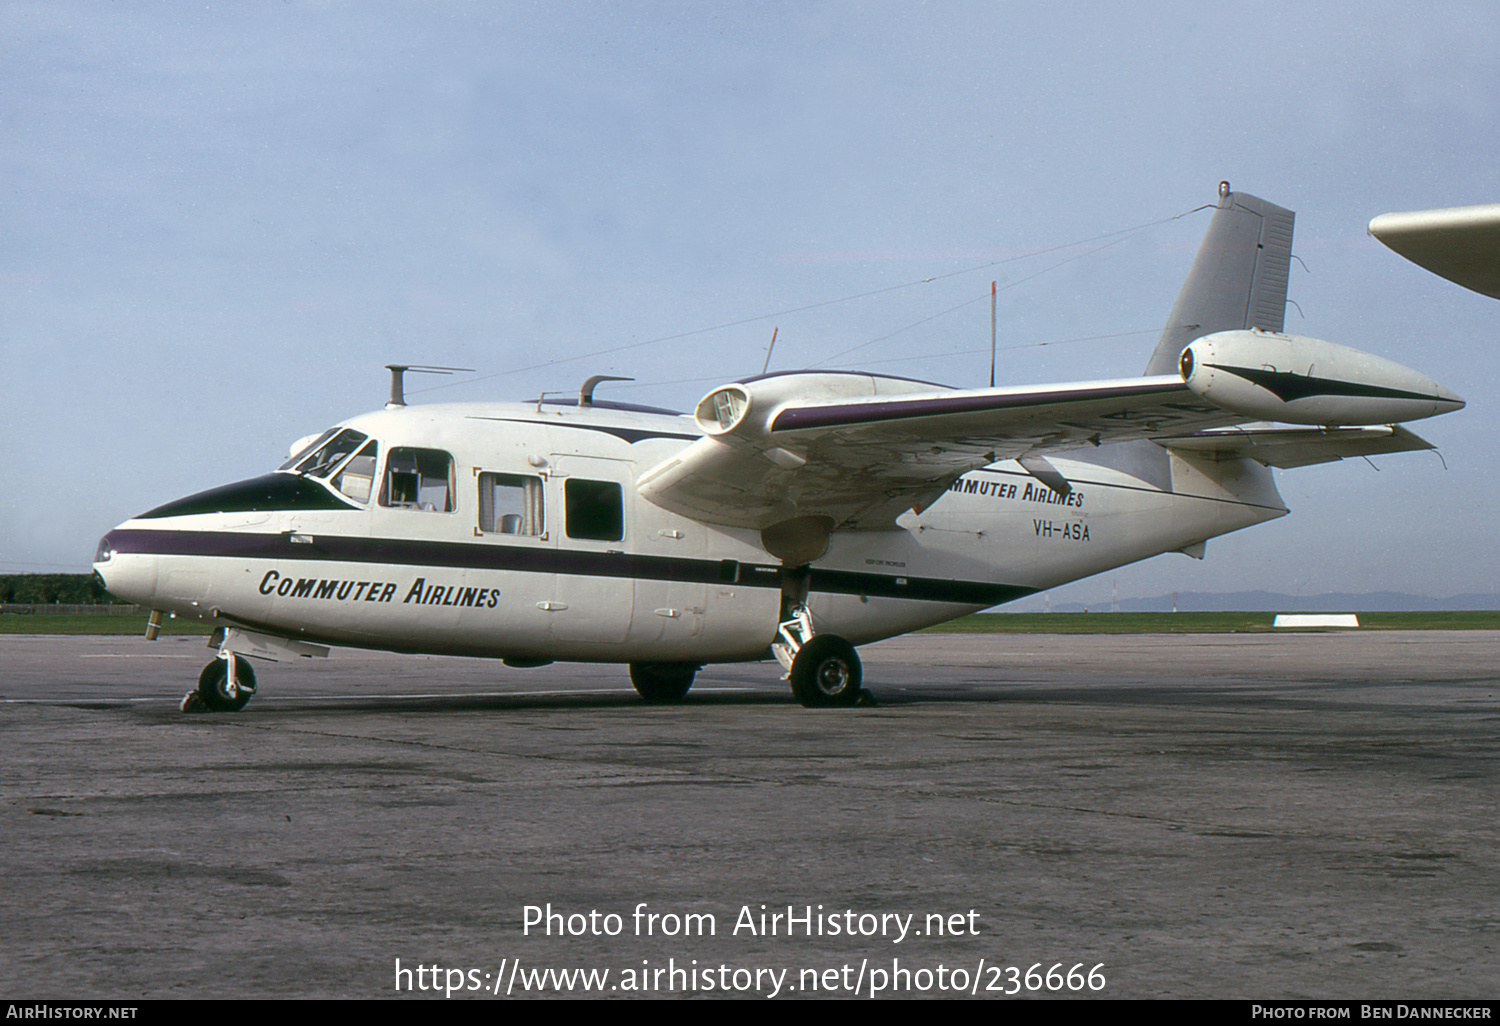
(213, 685)
(826, 672)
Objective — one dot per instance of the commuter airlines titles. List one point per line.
(420, 593)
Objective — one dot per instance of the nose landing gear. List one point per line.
(225, 685)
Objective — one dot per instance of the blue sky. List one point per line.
(221, 220)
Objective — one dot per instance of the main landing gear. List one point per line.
(663, 682)
(824, 669)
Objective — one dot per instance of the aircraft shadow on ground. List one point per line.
(1223, 695)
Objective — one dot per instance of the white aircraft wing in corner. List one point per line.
(1461, 244)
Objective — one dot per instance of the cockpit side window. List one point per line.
(510, 504)
(357, 478)
(322, 460)
(418, 479)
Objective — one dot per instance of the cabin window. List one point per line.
(321, 461)
(595, 509)
(358, 476)
(418, 479)
(510, 504)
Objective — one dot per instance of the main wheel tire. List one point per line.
(663, 682)
(826, 671)
(214, 678)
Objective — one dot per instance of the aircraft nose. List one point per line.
(125, 575)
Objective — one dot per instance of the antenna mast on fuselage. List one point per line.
(586, 393)
(398, 389)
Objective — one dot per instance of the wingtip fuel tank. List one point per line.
(1300, 380)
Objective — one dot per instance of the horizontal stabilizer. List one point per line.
(1287, 447)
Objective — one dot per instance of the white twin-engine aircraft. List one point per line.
(795, 515)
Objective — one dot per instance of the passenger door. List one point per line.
(593, 593)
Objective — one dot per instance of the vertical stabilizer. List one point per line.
(1238, 279)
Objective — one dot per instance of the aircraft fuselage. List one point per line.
(516, 531)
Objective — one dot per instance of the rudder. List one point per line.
(1238, 279)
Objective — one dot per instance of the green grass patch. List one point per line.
(92, 623)
(1198, 623)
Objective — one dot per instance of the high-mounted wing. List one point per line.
(1461, 244)
(859, 450)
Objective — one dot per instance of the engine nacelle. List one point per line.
(747, 409)
(1301, 380)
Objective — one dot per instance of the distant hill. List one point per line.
(1276, 602)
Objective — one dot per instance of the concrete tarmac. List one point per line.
(1250, 816)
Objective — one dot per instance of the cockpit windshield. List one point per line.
(303, 450)
(322, 456)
